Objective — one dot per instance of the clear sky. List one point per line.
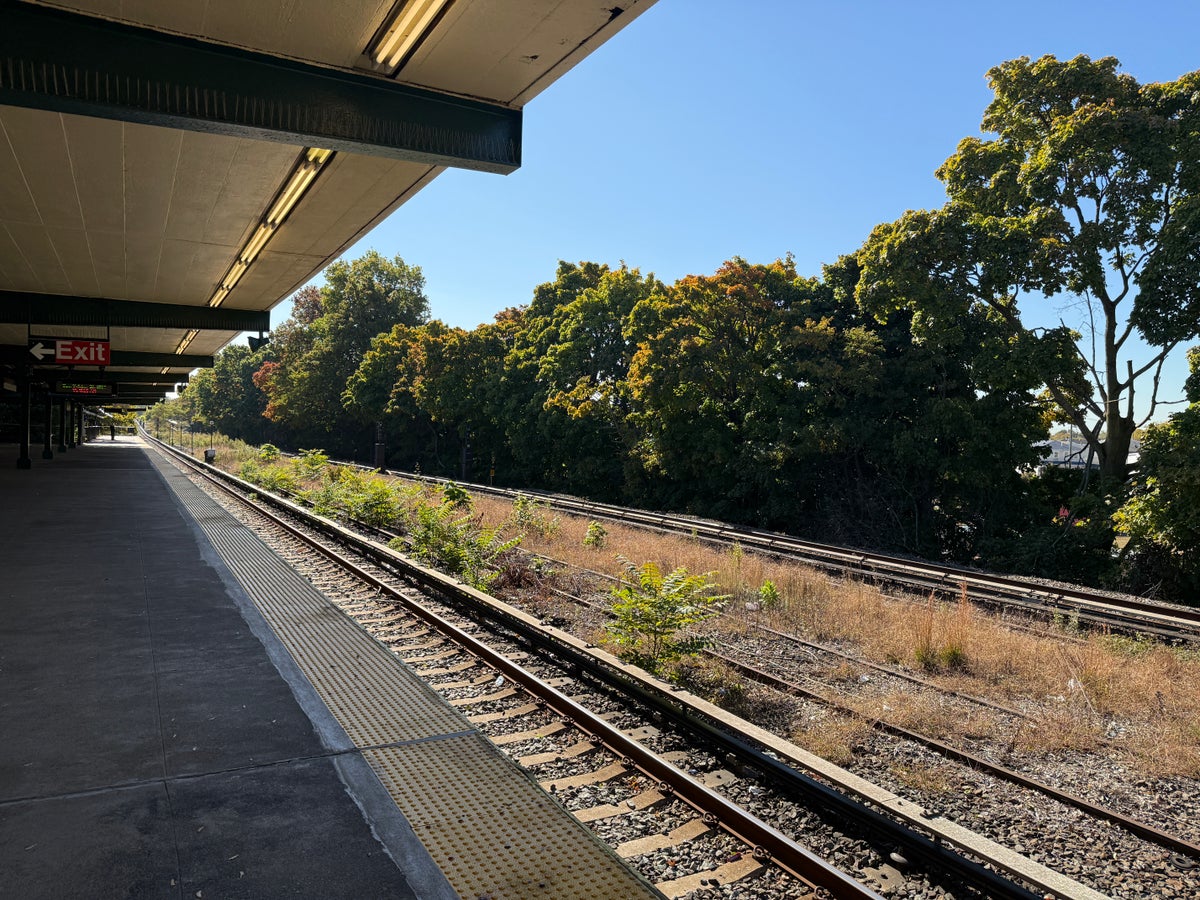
(711, 129)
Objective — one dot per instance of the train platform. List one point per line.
(183, 715)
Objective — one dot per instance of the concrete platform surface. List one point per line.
(151, 742)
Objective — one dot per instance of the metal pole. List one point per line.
(62, 417)
(23, 460)
(48, 431)
(71, 425)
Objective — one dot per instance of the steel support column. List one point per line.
(25, 386)
(48, 427)
(62, 422)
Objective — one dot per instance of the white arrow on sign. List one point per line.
(42, 352)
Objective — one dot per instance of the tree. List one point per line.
(564, 379)
(1162, 515)
(226, 396)
(321, 347)
(1089, 191)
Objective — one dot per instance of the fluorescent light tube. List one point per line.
(407, 30)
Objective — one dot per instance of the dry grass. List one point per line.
(831, 736)
(931, 778)
(1075, 692)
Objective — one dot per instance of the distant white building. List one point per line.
(1073, 454)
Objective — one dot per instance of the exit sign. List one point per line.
(72, 351)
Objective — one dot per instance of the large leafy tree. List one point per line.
(1162, 515)
(437, 389)
(564, 399)
(226, 397)
(1087, 190)
(728, 370)
(321, 347)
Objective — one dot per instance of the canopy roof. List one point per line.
(171, 171)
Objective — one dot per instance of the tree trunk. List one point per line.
(1119, 434)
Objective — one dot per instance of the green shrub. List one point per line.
(268, 453)
(457, 546)
(374, 503)
(273, 478)
(768, 594)
(529, 515)
(311, 463)
(596, 535)
(325, 500)
(650, 610)
(456, 495)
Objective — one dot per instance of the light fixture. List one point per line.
(311, 162)
(186, 340)
(408, 28)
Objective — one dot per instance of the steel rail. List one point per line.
(811, 646)
(1134, 826)
(768, 679)
(762, 752)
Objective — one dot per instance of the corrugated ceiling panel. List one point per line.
(72, 248)
(151, 160)
(41, 150)
(98, 171)
(16, 203)
(34, 245)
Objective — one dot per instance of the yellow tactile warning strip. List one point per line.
(463, 826)
(490, 828)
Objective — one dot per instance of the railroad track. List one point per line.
(897, 829)
(1126, 615)
(762, 673)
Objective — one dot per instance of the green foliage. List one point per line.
(1085, 187)
(275, 479)
(375, 503)
(456, 495)
(226, 397)
(596, 536)
(349, 492)
(268, 453)
(1075, 546)
(1162, 514)
(530, 516)
(319, 348)
(456, 544)
(311, 463)
(768, 595)
(651, 610)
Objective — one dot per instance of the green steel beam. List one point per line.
(24, 308)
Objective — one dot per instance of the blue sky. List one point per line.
(711, 129)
